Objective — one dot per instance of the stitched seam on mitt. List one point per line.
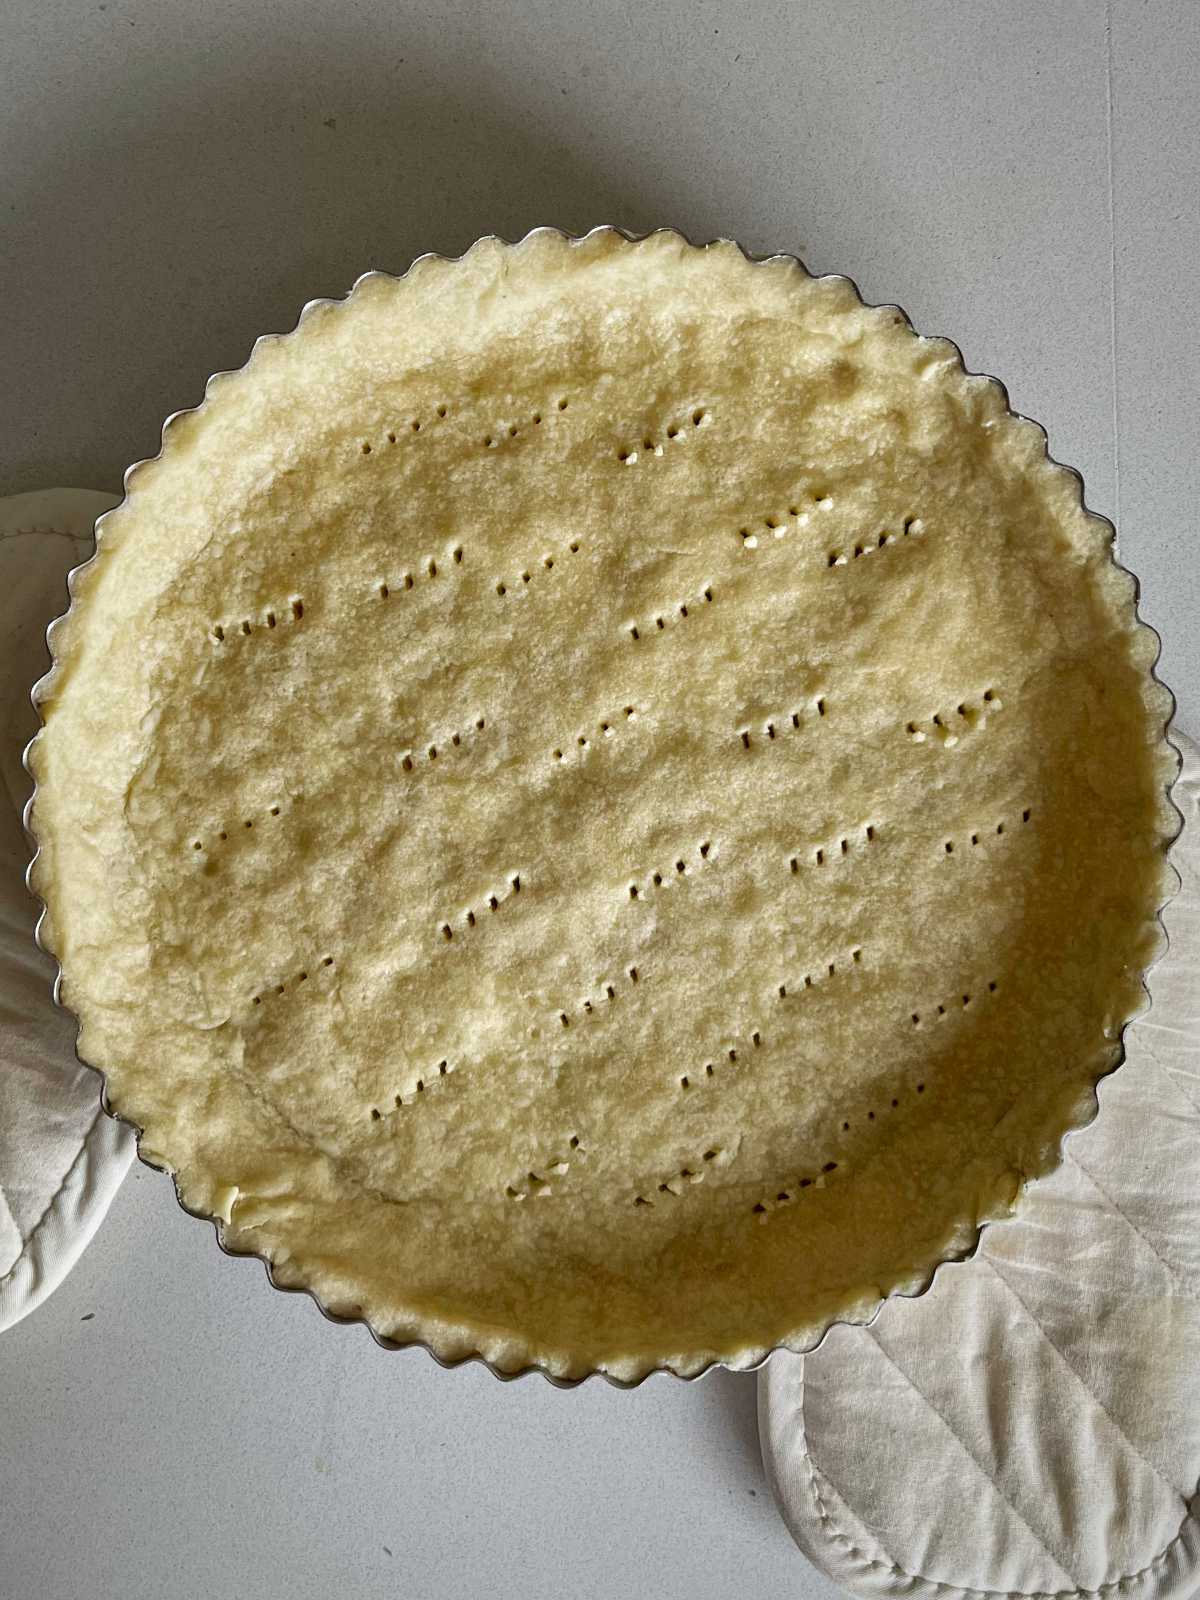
(50, 1204)
(980, 1468)
(835, 1535)
(1091, 1394)
(1139, 1233)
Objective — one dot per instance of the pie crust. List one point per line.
(603, 805)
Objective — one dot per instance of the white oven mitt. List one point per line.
(1031, 1426)
(61, 1157)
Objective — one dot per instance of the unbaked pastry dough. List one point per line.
(602, 804)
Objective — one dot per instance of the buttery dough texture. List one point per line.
(603, 805)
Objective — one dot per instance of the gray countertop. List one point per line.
(179, 178)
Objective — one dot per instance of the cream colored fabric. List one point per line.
(602, 803)
(1032, 1426)
(61, 1158)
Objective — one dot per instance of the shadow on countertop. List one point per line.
(735, 1394)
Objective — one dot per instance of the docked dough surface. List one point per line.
(602, 805)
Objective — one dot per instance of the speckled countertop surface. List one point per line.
(180, 178)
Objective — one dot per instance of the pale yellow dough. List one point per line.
(603, 805)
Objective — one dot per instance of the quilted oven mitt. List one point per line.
(61, 1158)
